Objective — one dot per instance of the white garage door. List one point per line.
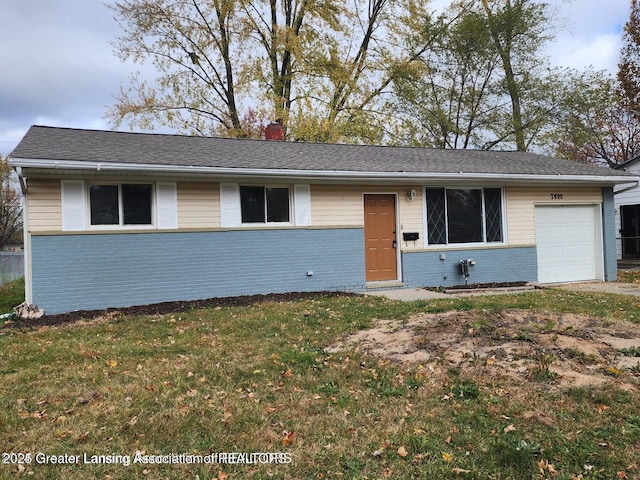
(567, 243)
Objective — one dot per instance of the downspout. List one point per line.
(22, 180)
(28, 291)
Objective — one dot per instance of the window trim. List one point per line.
(120, 225)
(484, 243)
(266, 223)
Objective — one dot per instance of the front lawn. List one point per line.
(259, 379)
(11, 294)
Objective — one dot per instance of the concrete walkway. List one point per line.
(603, 287)
(414, 294)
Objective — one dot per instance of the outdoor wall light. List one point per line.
(411, 194)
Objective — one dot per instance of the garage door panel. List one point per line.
(567, 243)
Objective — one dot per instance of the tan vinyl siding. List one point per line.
(521, 202)
(198, 205)
(44, 204)
(333, 205)
(339, 205)
(411, 216)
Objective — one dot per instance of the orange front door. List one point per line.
(380, 237)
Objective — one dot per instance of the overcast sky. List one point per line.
(58, 67)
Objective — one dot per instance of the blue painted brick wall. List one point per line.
(86, 272)
(425, 269)
(609, 235)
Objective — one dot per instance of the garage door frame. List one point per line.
(598, 246)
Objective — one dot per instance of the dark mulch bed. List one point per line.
(170, 307)
(480, 286)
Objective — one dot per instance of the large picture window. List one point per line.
(125, 204)
(264, 204)
(464, 215)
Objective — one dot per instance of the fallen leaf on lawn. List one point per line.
(192, 392)
(288, 438)
(222, 475)
(603, 408)
(509, 428)
(622, 474)
(544, 466)
(287, 374)
(388, 472)
(226, 416)
(447, 457)
(112, 363)
(458, 471)
(447, 440)
(403, 452)
(133, 421)
(614, 371)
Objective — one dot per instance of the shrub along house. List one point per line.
(116, 219)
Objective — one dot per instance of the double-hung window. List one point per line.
(464, 215)
(122, 204)
(265, 204)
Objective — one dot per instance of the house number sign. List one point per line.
(557, 196)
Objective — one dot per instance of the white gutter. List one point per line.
(319, 174)
(626, 189)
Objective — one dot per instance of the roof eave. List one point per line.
(228, 172)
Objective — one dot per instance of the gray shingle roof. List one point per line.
(66, 144)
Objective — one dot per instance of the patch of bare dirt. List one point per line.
(562, 350)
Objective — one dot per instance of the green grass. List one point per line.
(258, 379)
(11, 294)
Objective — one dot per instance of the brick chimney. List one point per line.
(274, 131)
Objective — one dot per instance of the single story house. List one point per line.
(627, 204)
(114, 219)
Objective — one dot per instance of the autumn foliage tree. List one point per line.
(601, 123)
(485, 82)
(629, 64)
(322, 68)
(10, 207)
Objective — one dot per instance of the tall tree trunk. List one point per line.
(504, 49)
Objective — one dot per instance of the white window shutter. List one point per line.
(302, 204)
(230, 211)
(167, 205)
(73, 205)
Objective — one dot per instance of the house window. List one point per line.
(264, 204)
(464, 215)
(125, 204)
